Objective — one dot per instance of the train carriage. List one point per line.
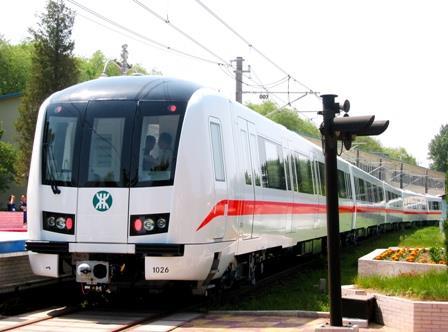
(148, 179)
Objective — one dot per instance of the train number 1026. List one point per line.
(160, 269)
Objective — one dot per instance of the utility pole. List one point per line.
(124, 59)
(343, 129)
(239, 78)
(401, 176)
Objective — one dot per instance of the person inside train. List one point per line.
(149, 162)
(165, 152)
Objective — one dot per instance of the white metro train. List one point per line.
(145, 180)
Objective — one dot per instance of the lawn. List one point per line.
(300, 291)
(428, 286)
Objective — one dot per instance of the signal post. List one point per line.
(334, 129)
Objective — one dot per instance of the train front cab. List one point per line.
(105, 203)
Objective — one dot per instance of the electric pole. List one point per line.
(239, 78)
(124, 59)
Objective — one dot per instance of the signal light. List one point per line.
(69, 223)
(172, 108)
(138, 225)
(149, 224)
(161, 223)
(59, 223)
(51, 221)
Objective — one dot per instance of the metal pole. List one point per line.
(401, 176)
(124, 59)
(330, 151)
(239, 79)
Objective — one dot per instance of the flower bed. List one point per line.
(388, 266)
(414, 255)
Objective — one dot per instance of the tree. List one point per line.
(53, 68)
(292, 121)
(15, 64)
(287, 118)
(8, 158)
(438, 150)
(91, 68)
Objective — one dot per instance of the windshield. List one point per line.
(111, 143)
(106, 144)
(59, 144)
(159, 124)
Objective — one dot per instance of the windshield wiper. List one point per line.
(52, 162)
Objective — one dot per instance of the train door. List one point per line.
(256, 171)
(287, 157)
(246, 181)
(103, 196)
(319, 216)
(220, 183)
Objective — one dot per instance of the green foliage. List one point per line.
(422, 238)
(15, 64)
(293, 122)
(427, 286)
(301, 292)
(445, 237)
(287, 118)
(91, 68)
(53, 68)
(400, 154)
(437, 254)
(8, 159)
(438, 150)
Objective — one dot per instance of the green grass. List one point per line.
(428, 286)
(300, 291)
(422, 238)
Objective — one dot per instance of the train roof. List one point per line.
(128, 88)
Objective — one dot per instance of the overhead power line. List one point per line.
(134, 33)
(179, 30)
(251, 45)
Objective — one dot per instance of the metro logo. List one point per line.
(102, 201)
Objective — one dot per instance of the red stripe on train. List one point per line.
(242, 208)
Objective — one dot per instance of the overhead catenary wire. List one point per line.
(179, 30)
(142, 37)
(249, 44)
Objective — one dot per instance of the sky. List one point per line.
(389, 58)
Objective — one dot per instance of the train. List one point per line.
(149, 180)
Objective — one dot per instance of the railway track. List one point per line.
(73, 319)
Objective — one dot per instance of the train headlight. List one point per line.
(149, 224)
(51, 221)
(161, 223)
(60, 223)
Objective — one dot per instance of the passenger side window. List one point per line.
(321, 167)
(272, 167)
(217, 151)
(342, 185)
(304, 174)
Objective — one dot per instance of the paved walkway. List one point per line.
(225, 322)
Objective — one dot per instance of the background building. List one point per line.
(9, 106)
